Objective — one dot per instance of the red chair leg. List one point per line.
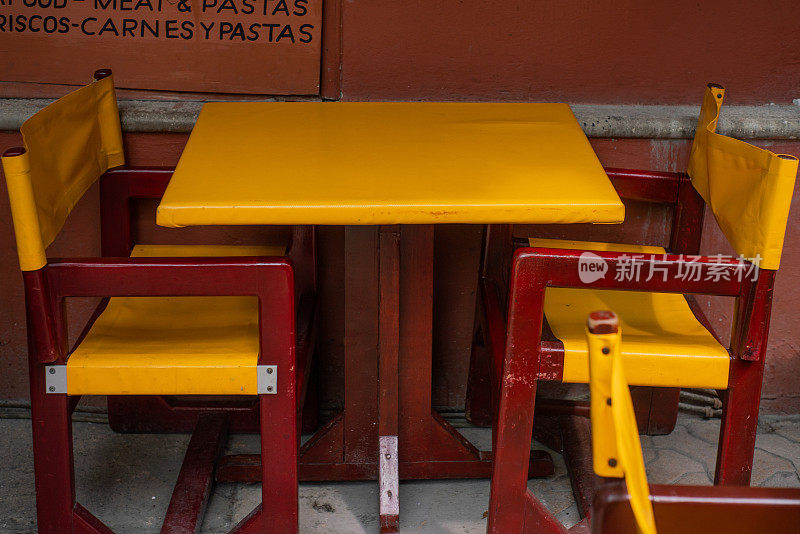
(52, 456)
(507, 501)
(737, 436)
(279, 457)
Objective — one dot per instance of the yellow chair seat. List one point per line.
(663, 343)
(172, 345)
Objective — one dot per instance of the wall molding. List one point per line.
(598, 120)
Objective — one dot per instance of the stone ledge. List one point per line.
(615, 121)
(679, 122)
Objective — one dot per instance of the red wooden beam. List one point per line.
(52, 452)
(195, 480)
(43, 342)
(85, 523)
(701, 509)
(131, 277)
(577, 439)
(388, 378)
(251, 524)
(117, 187)
(538, 519)
(247, 468)
(647, 186)
(687, 221)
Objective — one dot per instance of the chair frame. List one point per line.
(522, 356)
(700, 509)
(281, 294)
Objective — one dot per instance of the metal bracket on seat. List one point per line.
(267, 376)
(55, 378)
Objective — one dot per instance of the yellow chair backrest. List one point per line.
(616, 448)
(68, 146)
(748, 188)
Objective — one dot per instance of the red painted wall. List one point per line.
(626, 51)
(576, 51)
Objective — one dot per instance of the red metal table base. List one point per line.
(387, 389)
(388, 364)
(321, 460)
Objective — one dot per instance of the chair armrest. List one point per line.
(269, 279)
(135, 277)
(647, 186)
(663, 273)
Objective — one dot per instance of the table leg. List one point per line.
(347, 447)
(388, 377)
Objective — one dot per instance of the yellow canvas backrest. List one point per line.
(616, 449)
(68, 146)
(749, 189)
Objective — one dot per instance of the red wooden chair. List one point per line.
(667, 342)
(700, 510)
(230, 321)
(644, 509)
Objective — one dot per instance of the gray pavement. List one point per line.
(126, 480)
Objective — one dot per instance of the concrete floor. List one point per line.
(126, 480)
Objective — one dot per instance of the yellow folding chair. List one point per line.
(173, 320)
(667, 340)
(644, 509)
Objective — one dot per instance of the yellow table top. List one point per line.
(387, 163)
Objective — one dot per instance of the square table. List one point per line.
(374, 167)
